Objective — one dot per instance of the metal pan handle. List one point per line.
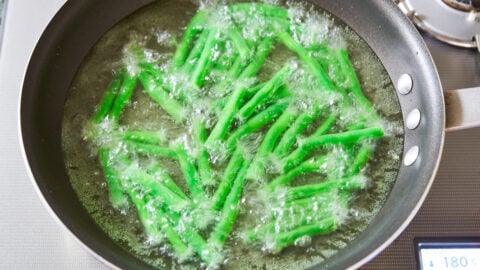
(462, 108)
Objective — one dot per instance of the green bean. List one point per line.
(146, 137)
(227, 116)
(206, 253)
(262, 52)
(115, 189)
(181, 251)
(314, 66)
(236, 68)
(310, 143)
(154, 71)
(286, 239)
(108, 98)
(165, 221)
(193, 28)
(229, 175)
(311, 165)
(171, 106)
(239, 42)
(306, 191)
(347, 184)
(249, 93)
(162, 176)
(290, 136)
(271, 137)
(270, 140)
(326, 125)
(351, 77)
(192, 237)
(220, 104)
(299, 214)
(203, 160)
(361, 159)
(353, 84)
(320, 49)
(230, 209)
(156, 188)
(257, 122)
(190, 174)
(149, 221)
(254, 89)
(205, 60)
(322, 202)
(150, 150)
(270, 87)
(196, 52)
(124, 94)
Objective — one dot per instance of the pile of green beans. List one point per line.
(297, 121)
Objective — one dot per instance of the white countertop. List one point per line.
(30, 238)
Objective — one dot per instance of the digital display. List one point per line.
(448, 254)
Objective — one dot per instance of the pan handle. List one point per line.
(462, 108)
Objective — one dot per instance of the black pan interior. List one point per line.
(79, 24)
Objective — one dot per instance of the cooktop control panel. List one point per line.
(448, 253)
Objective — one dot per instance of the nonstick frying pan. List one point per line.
(79, 24)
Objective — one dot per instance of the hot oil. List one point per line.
(157, 27)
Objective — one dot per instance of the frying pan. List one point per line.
(79, 24)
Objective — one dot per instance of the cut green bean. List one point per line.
(236, 68)
(299, 215)
(230, 209)
(311, 165)
(361, 159)
(196, 52)
(171, 106)
(226, 117)
(150, 68)
(195, 25)
(229, 175)
(115, 189)
(147, 217)
(203, 63)
(326, 125)
(203, 159)
(190, 174)
(311, 63)
(297, 156)
(305, 191)
(181, 250)
(271, 137)
(286, 239)
(257, 122)
(270, 87)
(124, 94)
(269, 141)
(108, 98)
(162, 176)
(239, 42)
(290, 136)
(157, 189)
(351, 77)
(262, 52)
(193, 238)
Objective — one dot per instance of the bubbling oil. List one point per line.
(159, 27)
